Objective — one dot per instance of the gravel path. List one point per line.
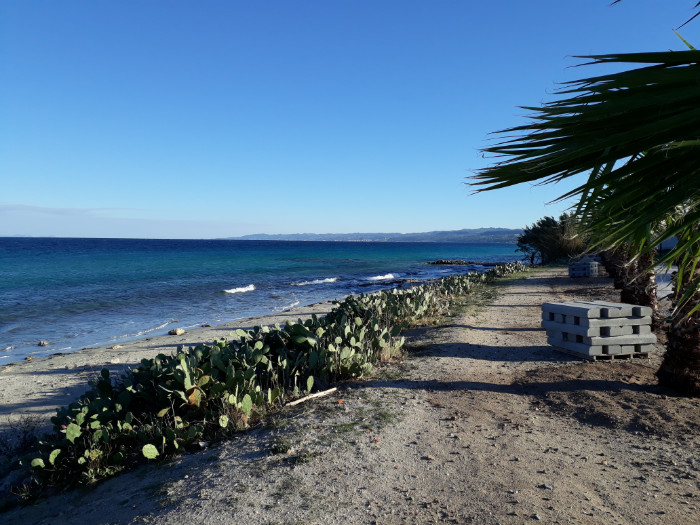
(481, 422)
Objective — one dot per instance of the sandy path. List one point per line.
(481, 423)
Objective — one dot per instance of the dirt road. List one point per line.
(482, 422)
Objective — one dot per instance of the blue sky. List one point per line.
(183, 119)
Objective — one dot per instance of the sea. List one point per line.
(84, 293)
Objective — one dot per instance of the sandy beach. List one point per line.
(481, 421)
(36, 387)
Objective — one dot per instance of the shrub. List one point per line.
(171, 403)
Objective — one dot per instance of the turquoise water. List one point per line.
(80, 293)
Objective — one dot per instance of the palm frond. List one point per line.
(635, 133)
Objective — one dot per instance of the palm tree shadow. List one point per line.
(518, 354)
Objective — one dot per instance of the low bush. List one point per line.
(172, 403)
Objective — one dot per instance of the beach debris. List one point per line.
(458, 262)
(176, 331)
(115, 347)
(313, 396)
(29, 358)
(43, 343)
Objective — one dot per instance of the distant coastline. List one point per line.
(473, 235)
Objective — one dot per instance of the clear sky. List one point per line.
(184, 119)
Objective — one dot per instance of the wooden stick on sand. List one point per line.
(312, 396)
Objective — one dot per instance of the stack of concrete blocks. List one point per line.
(599, 329)
(585, 267)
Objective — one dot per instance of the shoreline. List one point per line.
(56, 295)
(44, 383)
(483, 419)
(35, 388)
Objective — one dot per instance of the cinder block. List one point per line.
(637, 349)
(597, 309)
(586, 310)
(633, 309)
(621, 340)
(585, 349)
(584, 268)
(599, 329)
(596, 330)
(586, 322)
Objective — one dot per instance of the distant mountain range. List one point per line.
(474, 235)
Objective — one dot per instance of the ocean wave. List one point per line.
(242, 289)
(316, 281)
(147, 330)
(383, 277)
(290, 306)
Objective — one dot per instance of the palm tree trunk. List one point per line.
(680, 368)
(640, 286)
(635, 279)
(615, 262)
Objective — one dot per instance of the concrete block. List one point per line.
(584, 268)
(586, 322)
(595, 330)
(637, 349)
(583, 349)
(621, 340)
(636, 310)
(599, 329)
(597, 309)
(598, 341)
(571, 309)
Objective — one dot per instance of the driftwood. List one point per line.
(461, 262)
(312, 396)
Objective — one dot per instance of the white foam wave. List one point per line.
(242, 289)
(383, 277)
(143, 332)
(316, 281)
(290, 306)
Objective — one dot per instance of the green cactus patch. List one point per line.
(169, 403)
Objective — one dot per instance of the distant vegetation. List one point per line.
(474, 235)
(549, 240)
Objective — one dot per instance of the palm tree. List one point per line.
(634, 137)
